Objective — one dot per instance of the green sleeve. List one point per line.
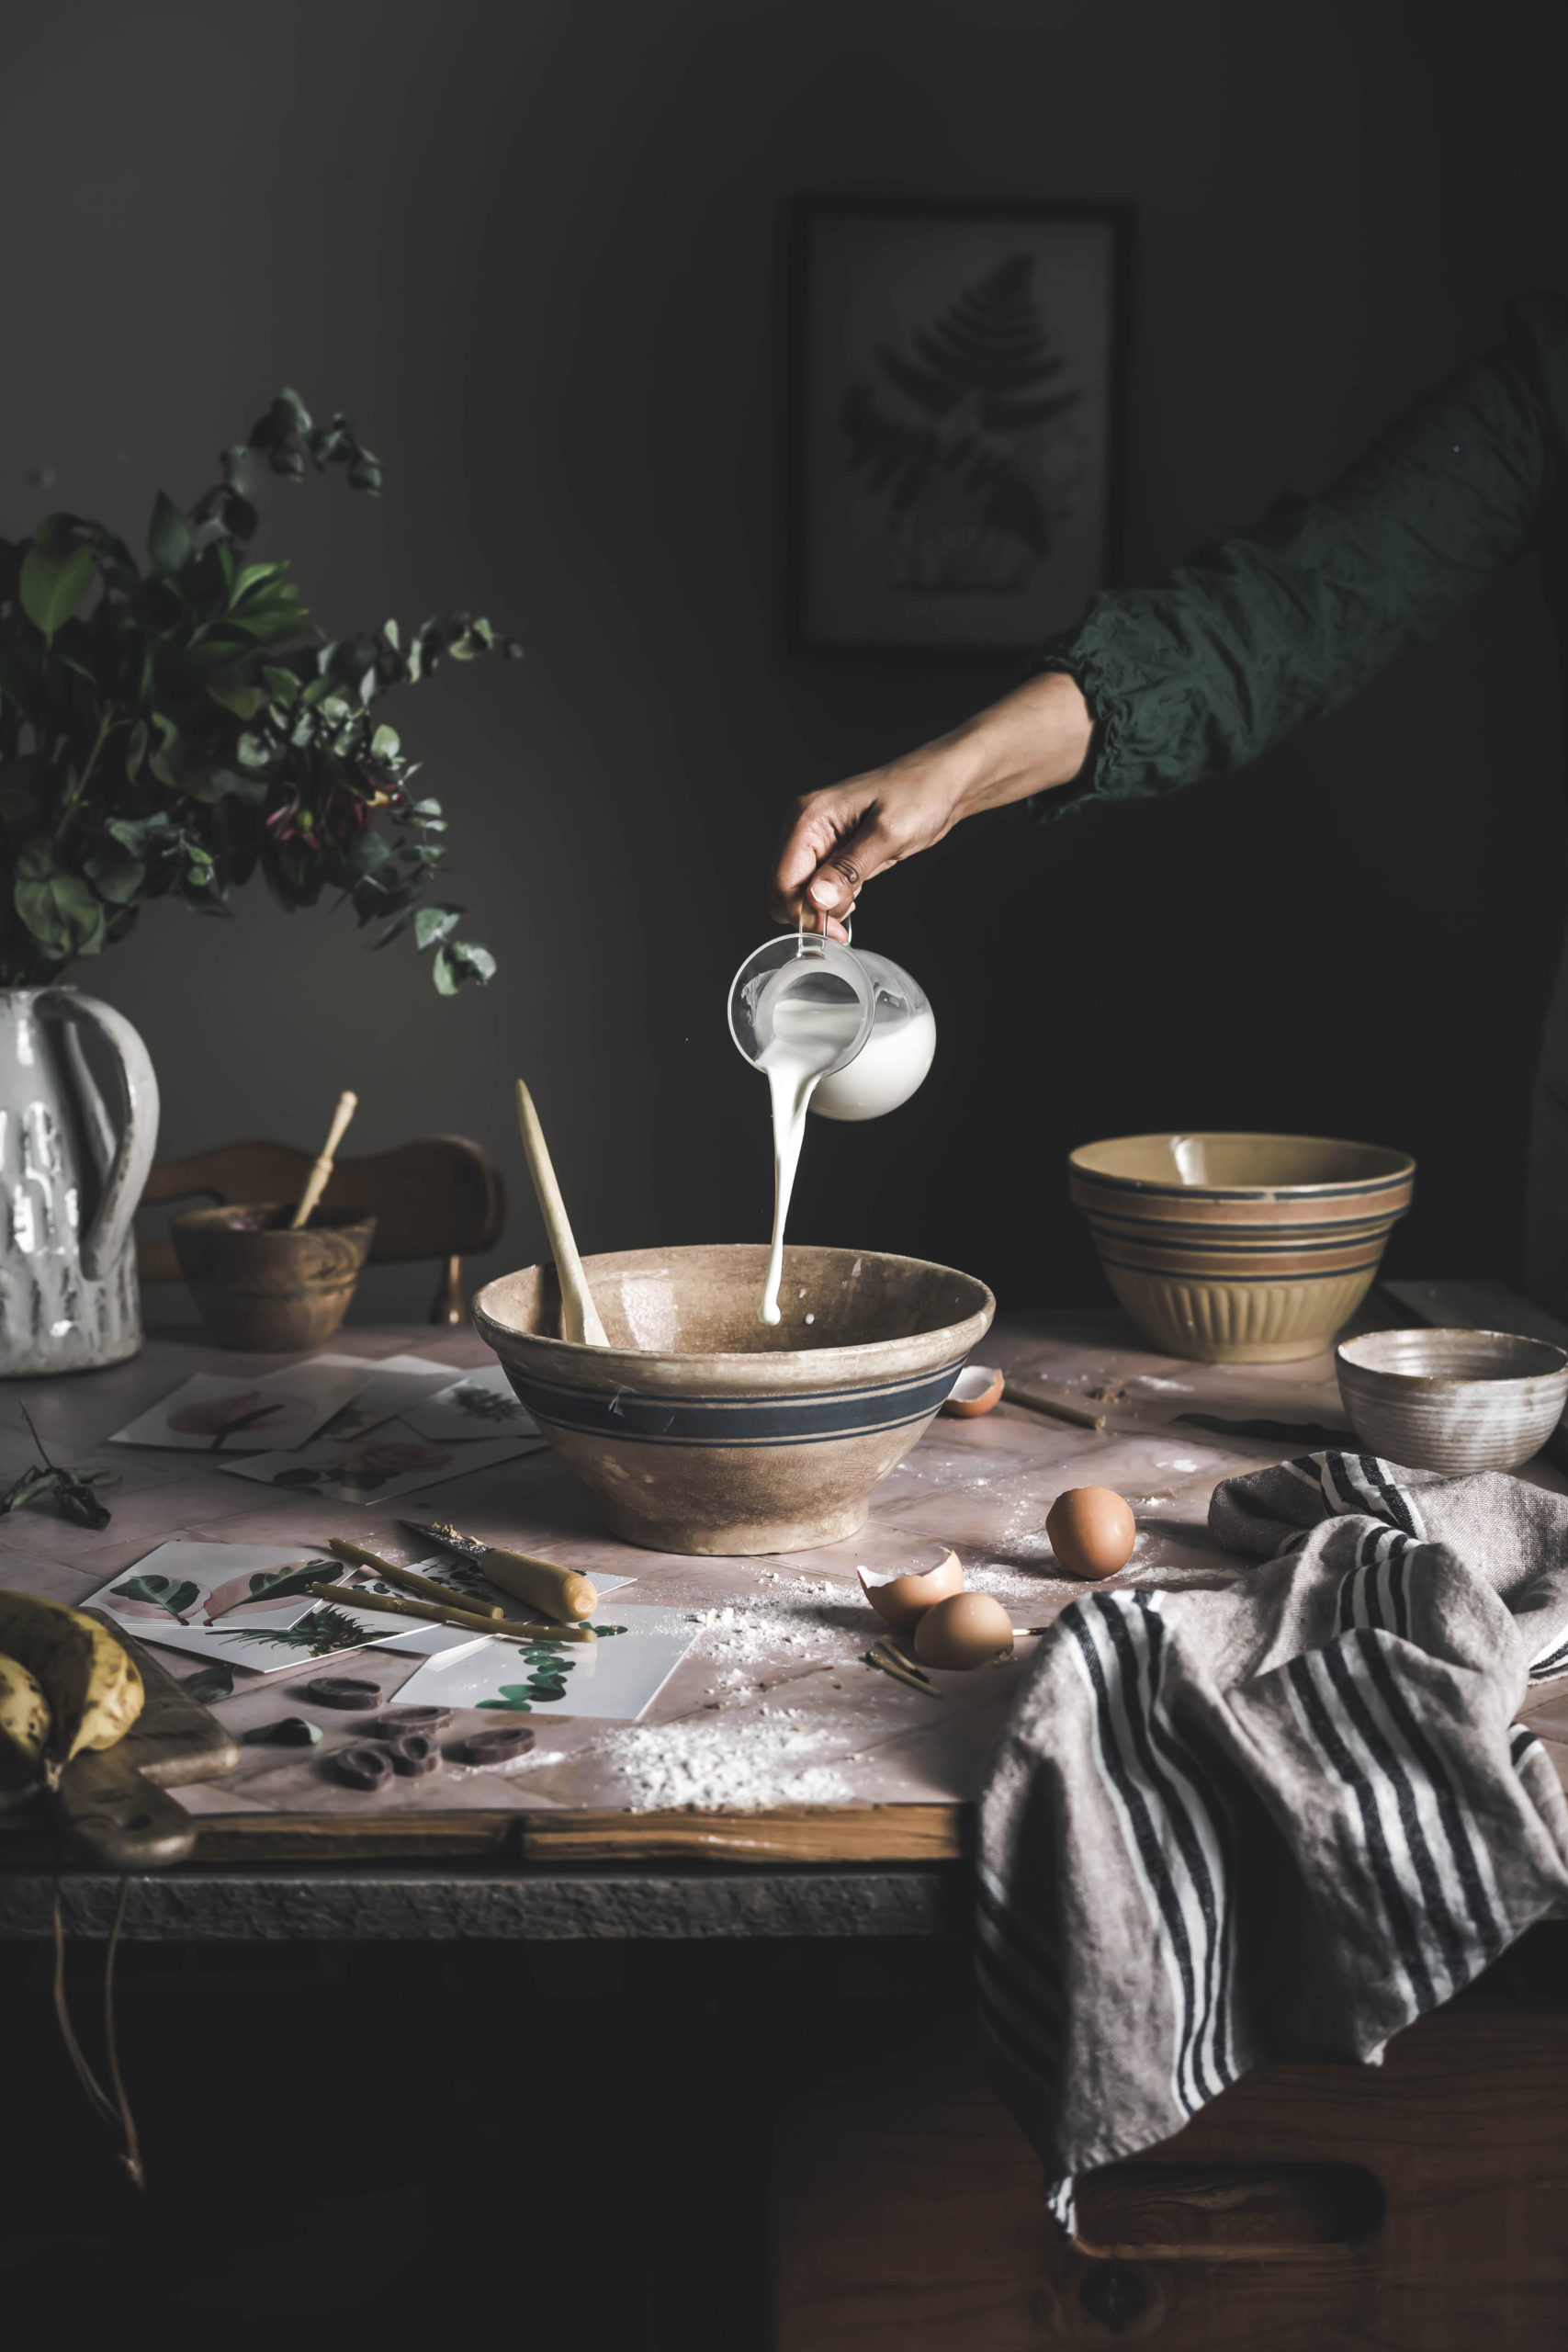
(1283, 624)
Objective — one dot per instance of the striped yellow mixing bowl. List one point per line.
(1240, 1249)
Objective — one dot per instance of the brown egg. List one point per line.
(904, 1601)
(1092, 1531)
(969, 1630)
(977, 1387)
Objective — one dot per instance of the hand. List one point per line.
(835, 842)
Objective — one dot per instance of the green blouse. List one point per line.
(1286, 622)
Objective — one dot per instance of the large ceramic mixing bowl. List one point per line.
(1240, 1249)
(700, 1428)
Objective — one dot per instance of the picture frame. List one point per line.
(957, 422)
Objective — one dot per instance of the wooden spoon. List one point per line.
(316, 1182)
(579, 1316)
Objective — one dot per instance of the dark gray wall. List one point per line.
(532, 248)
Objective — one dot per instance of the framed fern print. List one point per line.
(957, 421)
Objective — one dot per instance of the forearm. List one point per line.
(1031, 740)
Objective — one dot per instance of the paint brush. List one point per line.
(506, 1628)
(1033, 1402)
(445, 1596)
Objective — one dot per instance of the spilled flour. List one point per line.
(705, 1764)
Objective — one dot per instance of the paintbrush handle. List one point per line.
(316, 1182)
(445, 1596)
(1034, 1402)
(506, 1626)
(580, 1316)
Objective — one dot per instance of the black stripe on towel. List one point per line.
(1450, 1811)
(1380, 1862)
(1136, 1807)
(1387, 1760)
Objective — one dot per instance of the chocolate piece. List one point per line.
(491, 1746)
(413, 1754)
(343, 1691)
(361, 1767)
(396, 1722)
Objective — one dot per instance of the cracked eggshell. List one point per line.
(977, 1387)
(902, 1601)
(971, 1629)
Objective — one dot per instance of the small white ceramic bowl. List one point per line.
(1453, 1401)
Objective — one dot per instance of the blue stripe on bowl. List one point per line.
(801, 1420)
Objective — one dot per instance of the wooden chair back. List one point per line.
(440, 1196)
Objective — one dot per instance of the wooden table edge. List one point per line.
(820, 1833)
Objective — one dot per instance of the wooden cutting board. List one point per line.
(111, 1807)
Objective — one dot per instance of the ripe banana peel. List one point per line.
(25, 1722)
(91, 1684)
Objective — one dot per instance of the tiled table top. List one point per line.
(771, 1740)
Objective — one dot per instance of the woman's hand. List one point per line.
(836, 841)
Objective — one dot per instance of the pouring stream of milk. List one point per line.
(808, 1038)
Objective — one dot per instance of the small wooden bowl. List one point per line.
(260, 1286)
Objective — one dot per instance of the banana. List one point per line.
(25, 1723)
(94, 1691)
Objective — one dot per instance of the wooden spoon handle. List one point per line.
(316, 1182)
(580, 1316)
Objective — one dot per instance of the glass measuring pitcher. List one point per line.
(860, 1020)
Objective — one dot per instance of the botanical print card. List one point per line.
(615, 1679)
(480, 1405)
(393, 1459)
(206, 1584)
(249, 1604)
(215, 1413)
(391, 1386)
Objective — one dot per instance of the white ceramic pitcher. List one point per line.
(68, 1291)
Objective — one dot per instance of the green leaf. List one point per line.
(58, 907)
(281, 684)
(161, 761)
(244, 701)
(434, 923)
(224, 784)
(158, 1592)
(169, 540)
(287, 1731)
(209, 1682)
(458, 961)
(55, 577)
(115, 871)
(385, 744)
(253, 752)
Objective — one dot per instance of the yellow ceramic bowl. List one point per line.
(1240, 1249)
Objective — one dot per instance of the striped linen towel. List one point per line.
(1276, 1820)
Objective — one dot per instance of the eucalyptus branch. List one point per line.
(190, 730)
